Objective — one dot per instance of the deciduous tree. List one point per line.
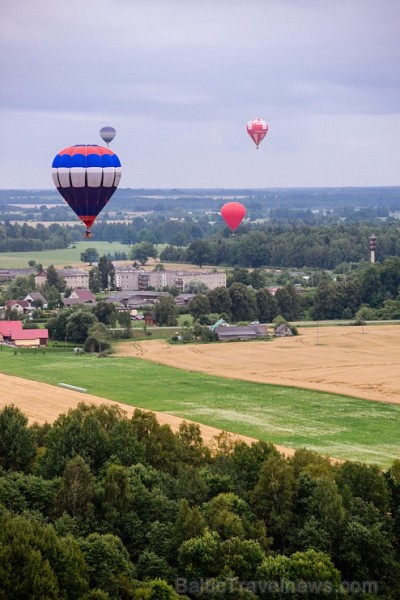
(78, 325)
(143, 251)
(77, 488)
(166, 311)
(17, 443)
(244, 307)
(199, 306)
(90, 255)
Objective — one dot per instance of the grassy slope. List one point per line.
(330, 424)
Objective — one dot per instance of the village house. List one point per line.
(20, 306)
(36, 299)
(28, 304)
(283, 330)
(184, 299)
(11, 332)
(135, 299)
(79, 296)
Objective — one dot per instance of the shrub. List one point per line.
(94, 344)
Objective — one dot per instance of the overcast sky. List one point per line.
(179, 79)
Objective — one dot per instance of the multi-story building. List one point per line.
(74, 278)
(210, 278)
(129, 278)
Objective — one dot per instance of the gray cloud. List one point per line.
(180, 78)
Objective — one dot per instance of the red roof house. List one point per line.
(12, 332)
(8, 329)
(79, 296)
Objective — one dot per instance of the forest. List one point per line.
(99, 506)
(145, 200)
(313, 228)
(270, 244)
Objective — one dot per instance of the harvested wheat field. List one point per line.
(363, 362)
(353, 361)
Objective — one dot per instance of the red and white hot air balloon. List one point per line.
(257, 130)
(233, 214)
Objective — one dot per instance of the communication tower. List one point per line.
(372, 247)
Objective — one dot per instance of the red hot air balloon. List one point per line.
(257, 130)
(233, 214)
(86, 177)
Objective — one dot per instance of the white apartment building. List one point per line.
(74, 278)
(129, 278)
(211, 279)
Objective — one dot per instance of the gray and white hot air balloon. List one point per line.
(108, 134)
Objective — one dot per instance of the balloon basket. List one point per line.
(88, 234)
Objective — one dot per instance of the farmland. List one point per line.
(329, 423)
(61, 258)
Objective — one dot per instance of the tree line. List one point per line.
(372, 293)
(290, 245)
(24, 238)
(100, 506)
(199, 240)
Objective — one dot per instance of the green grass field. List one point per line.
(61, 258)
(329, 424)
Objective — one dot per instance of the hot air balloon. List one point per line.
(86, 177)
(257, 130)
(233, 214)
(107, 134)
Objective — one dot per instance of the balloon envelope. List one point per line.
(86, 176)
(257, 130)
(107, 134)
(233, 214)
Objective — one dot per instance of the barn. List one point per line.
(241, 332)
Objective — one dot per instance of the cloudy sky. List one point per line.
(179, 79)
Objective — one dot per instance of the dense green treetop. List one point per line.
(100, 506)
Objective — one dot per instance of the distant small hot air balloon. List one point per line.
(86, 176)
(257, 130)
(233, 214)
(107, 134)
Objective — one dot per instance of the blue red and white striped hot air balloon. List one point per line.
(86, 177)
(257, 130)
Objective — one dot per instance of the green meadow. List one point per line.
(330, 424)
(60, 258)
